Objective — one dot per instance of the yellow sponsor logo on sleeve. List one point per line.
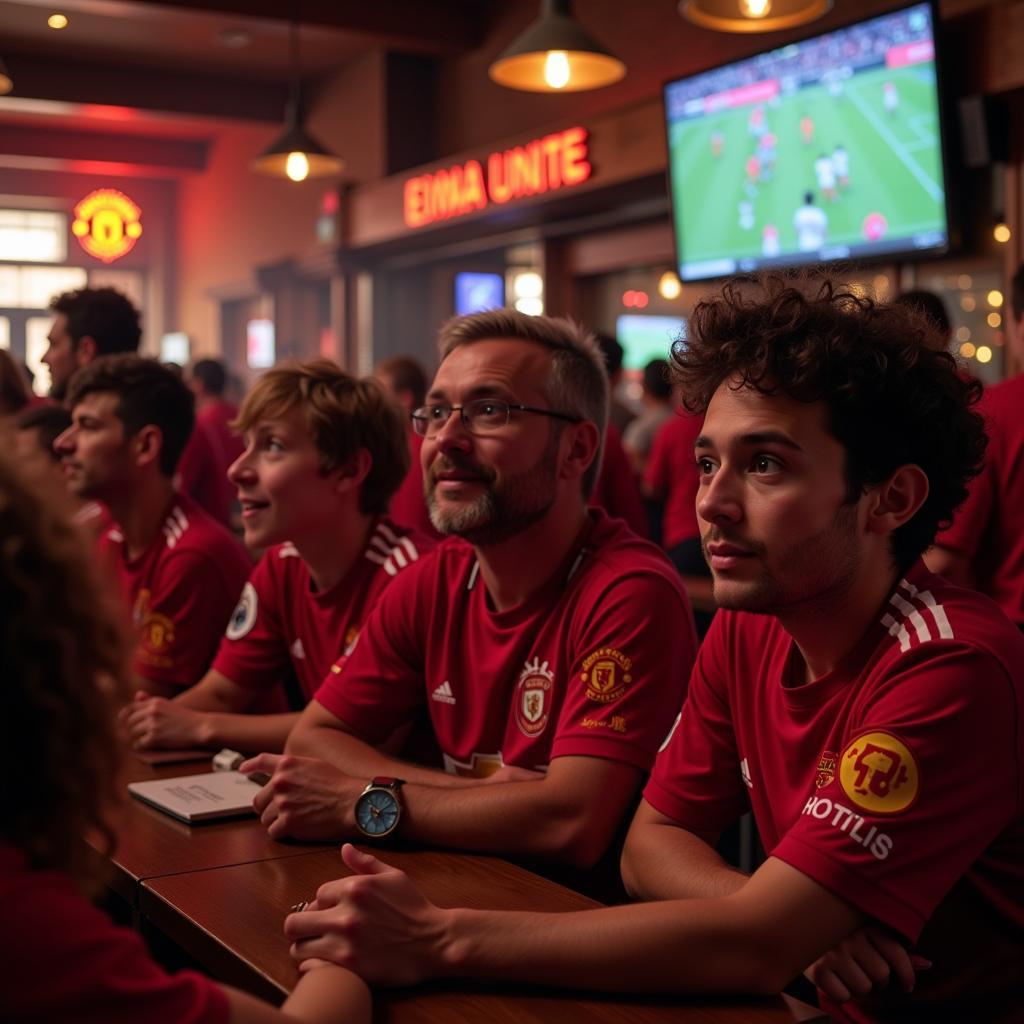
(879, 774)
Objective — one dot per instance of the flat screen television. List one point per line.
(475, 292)
(826, 149)
(646, 337)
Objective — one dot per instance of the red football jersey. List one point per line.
(592, 664)
(280, 616)
(894, 781)
(671, 476)
(181, 591)
(989, 527)
(66, 961)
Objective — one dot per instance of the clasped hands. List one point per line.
(374, 922)
(154, 723)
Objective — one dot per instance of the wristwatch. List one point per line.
(379, 807)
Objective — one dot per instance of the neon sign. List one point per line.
(554, 162)
(107, 224)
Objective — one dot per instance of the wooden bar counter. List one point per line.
(230, 919)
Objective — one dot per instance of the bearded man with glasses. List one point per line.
(547, 643)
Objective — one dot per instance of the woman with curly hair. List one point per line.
(65, 670)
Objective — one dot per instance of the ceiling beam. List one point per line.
(64, 144)
(71, 81)
(414, 26)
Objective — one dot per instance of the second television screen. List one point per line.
(826, 149)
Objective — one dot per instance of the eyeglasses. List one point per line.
(481, 416)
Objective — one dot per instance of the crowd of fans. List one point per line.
(459, 610)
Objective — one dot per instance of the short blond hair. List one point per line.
(578, 383)
(343, 415)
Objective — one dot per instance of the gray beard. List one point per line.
(500, 512)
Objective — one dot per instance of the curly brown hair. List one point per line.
(65, 670)
(890, 399)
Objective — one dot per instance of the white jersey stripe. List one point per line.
(927, 598)
(400, 559)
(389, 535)
(374, 557)
(897, 629)
(389, 568)
(473, 575)
(921, 627)
(378, 543)
(406, 542)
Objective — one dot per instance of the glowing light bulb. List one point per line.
(669, 285)
(994, 320)
(556, 69)
(755, 8)
(57, 21)
(297, 166)
(995, 297)
(1001, 233)
(984, 354)
(528, 285)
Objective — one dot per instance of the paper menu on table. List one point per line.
(199, 797)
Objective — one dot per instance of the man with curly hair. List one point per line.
(868, 712)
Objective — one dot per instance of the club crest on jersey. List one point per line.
(879, 774)
(826, 770)
(606, 673)
(157, 633)
(243, 618)
(533, 697)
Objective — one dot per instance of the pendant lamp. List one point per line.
(556, 54)
(752, 15)
(296, 154)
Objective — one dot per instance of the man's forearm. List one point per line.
(698, 946)
(665, 862)
(248, 733)
(532, 819)
(362, 761)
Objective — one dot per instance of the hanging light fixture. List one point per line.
(752, 15)
(6, 82)
(556, 54)
(295, 153)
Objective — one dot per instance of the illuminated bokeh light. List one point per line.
(669, 285)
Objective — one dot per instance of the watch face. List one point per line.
(377, 812)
